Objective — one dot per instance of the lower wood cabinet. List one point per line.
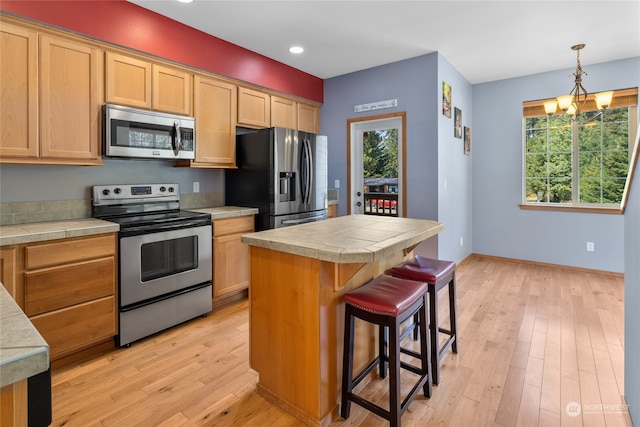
(230, 255)
(67, 288)
(332, 211)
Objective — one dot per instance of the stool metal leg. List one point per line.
(433, 331)
(425, 350)
(395, 412)
(453, 318)
(382, 343)
(347, 363)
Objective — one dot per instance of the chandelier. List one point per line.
(573, 103)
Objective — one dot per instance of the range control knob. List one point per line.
(106, 192)
(171, 189)
(117, 190)
(163, 189)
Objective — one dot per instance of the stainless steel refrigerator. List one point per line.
(283, 173)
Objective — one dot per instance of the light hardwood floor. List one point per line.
(532, 340)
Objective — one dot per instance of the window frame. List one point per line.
(622, 98)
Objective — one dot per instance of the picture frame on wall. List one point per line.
(467, 140)
(446, 99)
(457, 122)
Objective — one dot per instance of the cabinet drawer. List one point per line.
(49, 254)
(243, 224)
(74, 328)
(58, 287)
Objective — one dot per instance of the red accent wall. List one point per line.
(129, 25)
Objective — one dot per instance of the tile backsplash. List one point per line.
(13, 213)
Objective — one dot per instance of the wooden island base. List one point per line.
(297, 321)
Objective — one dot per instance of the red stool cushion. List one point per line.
(424, 269)
(386, 295)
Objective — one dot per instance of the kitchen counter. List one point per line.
(347, 239)
(227, 211)
(299, 275)
(51, 230)
(23, 351)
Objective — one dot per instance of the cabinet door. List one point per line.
(254, 108)
(231, 269)
(231, 257)
(171, 90)
(74, 328)
(308, 118)
(69, 100)
(128, 81)
(11, 269)
(18, 92)
(283, 113)
(215, 108)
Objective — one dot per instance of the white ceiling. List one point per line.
(483, 40)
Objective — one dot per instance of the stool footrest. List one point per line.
(445, 346)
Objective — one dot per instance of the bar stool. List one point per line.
(438, 274)
(387, 302)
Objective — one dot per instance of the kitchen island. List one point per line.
(298, 277)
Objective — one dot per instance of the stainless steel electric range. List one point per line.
(165, 257)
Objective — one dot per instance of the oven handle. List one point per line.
(145, 229)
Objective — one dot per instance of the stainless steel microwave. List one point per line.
(143, 134)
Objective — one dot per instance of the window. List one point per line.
(582, 162)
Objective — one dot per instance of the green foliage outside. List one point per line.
(380, 154)
(602, 157)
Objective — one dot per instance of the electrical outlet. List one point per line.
(590, 247)
(461, 241)
(336, 184)
(196, 187)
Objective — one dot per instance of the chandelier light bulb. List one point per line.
(603, 100)
(550, 107)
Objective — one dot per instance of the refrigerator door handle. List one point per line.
(306, 171)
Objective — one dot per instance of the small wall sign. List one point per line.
(390, 103)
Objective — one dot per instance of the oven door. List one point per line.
(161, 263)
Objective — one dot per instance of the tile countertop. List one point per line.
(23, 351)
(227, 211)
(51, 230)
(347, 239)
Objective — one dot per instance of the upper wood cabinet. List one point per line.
(19, 92)
(283, 113)
(215, 108)
(308, 118)
(50, 103)
(171, 90)
(254, 108)
(70, 99)
(139, 83)
(128, 81)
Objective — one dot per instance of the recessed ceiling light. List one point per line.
(296, 49)
(185, 1)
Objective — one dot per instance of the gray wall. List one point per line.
(500, 227)
(433, 154)
(632, 299)
(25, 183)
(454, 167)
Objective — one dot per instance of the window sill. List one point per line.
(613, 210)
